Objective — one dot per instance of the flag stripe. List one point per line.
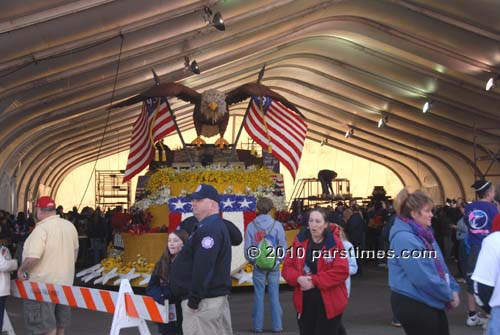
(286, 130)
(280, 148)
(141, 150)
(258, 133)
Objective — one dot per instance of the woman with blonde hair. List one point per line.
(422, 287)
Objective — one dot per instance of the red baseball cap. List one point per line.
(46, 202)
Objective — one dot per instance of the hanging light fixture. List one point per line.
(215, 19)
(349, 133)
(427, 106)
(218, 22)
(156, 77)
(383, 121)
(491, 83)
(191, 66)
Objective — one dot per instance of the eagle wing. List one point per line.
(258, 90)
(164, 90)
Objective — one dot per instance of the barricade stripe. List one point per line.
(29, 292)
(36, 290)
(60, 293)
(44, 292)
(108, 301)
(21, 289)
(87, 296)
(136, 306)
(96, 297)
(152, 308)
(80, 301)
(52, 294)
(130, 306)
(69, 295)
(140, 305)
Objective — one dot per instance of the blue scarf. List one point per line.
(427, 238)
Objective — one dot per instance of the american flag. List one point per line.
(239, 209)
(282, 130)
(148, 126)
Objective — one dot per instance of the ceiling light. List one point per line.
(491, 83)
(191, 66)
(383, 121)
(427, 106)
(349, 133)
(216, 20)
(323, 142)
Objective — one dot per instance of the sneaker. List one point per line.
(395, 323)
(475, 320)
(486, 320)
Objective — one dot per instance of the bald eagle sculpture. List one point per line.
(211, 113)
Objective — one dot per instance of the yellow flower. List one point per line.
(221, 178)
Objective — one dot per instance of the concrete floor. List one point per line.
(368, 312)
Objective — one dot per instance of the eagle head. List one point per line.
(213, 105)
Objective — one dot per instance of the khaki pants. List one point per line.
(212, 318)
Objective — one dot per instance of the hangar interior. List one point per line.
(344, 64)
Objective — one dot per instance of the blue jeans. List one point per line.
(273, 287)
(98, 246)
(494, 324)
(2, 311)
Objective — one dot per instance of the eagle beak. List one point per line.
(212, 106)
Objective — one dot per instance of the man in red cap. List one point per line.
(49, 256)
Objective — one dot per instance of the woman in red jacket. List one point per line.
(317, 267)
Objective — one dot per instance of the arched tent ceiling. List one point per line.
(345, 64)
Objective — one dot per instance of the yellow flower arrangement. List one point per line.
(221, 178)
(140, 264)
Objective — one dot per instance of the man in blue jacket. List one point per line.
(201, 272)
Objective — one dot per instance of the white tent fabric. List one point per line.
(345, 64)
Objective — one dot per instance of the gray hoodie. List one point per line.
(265, 221)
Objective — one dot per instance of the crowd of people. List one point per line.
(193, 273)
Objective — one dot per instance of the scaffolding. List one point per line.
(110, 192)
(307, 193)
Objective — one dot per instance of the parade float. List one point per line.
(238, 175)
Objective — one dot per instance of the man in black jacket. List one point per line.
(326, 177)
(190, 224)
(201, 272)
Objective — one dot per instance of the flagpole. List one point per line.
(233, 151)
(179, 132)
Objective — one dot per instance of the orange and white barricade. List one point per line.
(129, 310)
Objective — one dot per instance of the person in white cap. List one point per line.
(49, 256)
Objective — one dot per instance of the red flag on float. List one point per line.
(277, 129)
(154, 123)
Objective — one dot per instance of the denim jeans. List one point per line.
(2, 310)
(98, 246)
(494, 324)
(273, 286)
